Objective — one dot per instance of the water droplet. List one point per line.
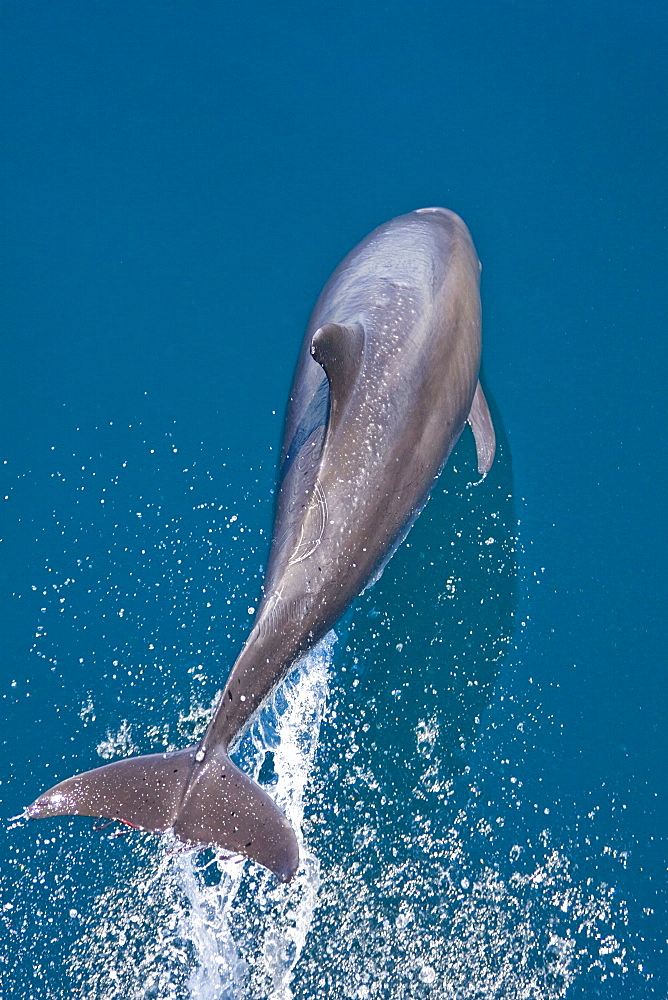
(427, 974)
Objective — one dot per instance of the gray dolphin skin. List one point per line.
(386, 380)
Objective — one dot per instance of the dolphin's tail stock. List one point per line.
(206, 801)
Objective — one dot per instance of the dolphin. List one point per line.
(386, 380)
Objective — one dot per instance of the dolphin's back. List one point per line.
(412, 288)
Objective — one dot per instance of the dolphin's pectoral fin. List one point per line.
(483, 431)
(339, 350)
(206, 802)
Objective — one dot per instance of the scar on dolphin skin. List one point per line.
(306, 545)
(394, 341)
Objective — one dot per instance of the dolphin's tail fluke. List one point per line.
(206, 801)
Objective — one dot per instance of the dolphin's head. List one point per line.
(446, 217)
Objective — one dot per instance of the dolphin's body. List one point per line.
(386, 379)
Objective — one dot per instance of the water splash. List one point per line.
(218, 918)
(421, 928)
(192, 926)
(118, 744)
(411, 891)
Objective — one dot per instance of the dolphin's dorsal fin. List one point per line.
(339, 350)
(483, 431)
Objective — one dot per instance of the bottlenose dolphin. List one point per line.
(386, 379)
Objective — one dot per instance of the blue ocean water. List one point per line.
(477, 761)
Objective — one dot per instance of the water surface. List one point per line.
(484, 807)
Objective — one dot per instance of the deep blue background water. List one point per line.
(178, 181)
